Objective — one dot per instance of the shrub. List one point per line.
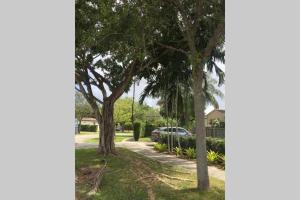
(128, 126)
(142, 131)
(136, 130)
(160, 147)
(190, 153)
(89, 128)
(148, 129)
(178, 151)
(212, 157)
(221, 160)
(214, 144)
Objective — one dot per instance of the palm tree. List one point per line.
(173, 73)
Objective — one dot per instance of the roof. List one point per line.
(219, 110)
(88, 119)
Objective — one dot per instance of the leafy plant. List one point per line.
(160, 147)
(178, 151)
(214, 144)
(221, 160)
(148, 129)
(136, 130)
(90, 128)
(190, 153)
(212, 157)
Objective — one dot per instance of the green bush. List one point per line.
(190, 153)
(89, 128)
(212, 157)
(214, 144)
(128, 126)
(142, 131)
(221, 160)
(136, 130)
(178, 151)
(148, 129)
(160, 147)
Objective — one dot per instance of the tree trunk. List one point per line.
(79, 126)
(167, 115)
(202, 170)
(107, 145)
(132, 106)
(100, 123)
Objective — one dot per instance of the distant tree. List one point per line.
(82, 108)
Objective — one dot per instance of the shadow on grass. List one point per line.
(124, 179)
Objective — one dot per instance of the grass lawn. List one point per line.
(145, 139)
(120, 136)
(130, 176)
(88, 133)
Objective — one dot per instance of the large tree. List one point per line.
(202, 26)
(112, 45)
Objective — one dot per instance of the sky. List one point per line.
(152, 102)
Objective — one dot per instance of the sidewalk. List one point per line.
(146, 149)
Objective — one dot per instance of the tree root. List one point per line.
(97, 179)
(177, 171)
(165, 182)
(175, 178)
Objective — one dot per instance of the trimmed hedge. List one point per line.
(148, 129)
(212, 144)
(89, 128)
(136, 130)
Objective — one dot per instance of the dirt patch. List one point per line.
(86, 175)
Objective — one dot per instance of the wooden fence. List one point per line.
(215, 132)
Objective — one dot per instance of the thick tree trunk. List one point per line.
(107, 145)
(100, 123)
(202, 170)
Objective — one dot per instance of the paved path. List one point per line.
(146, 149)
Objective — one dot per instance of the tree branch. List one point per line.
(100, 82)
(128, 74)
(172, 48)
(100, 77)
(214, 40)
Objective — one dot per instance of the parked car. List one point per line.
(155, 134)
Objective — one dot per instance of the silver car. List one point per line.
(164, 131)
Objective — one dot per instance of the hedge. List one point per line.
(214, 144)
(148, 129)
(89, 128)
(136, 130)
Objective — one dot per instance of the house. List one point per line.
(89, 121)
(215, 114)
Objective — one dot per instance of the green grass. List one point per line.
(120, 136)
(126, 179)
(145, 139)
(88, 133)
